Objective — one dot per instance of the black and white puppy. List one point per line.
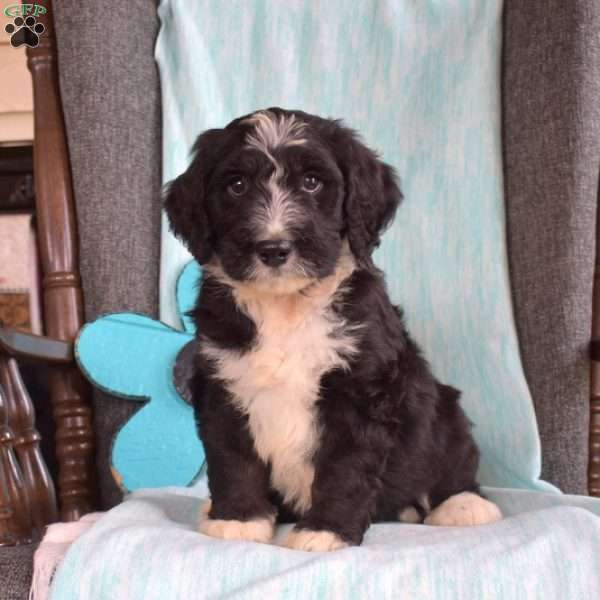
(312, 401)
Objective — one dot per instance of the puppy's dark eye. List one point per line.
(311, 183)
(238, 186)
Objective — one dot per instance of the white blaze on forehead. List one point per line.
(271, 131)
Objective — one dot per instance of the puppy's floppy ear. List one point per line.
(372, 192)
(185, 198)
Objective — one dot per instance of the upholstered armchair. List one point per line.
(97, 175)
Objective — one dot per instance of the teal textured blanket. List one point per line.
(147, 548)
(420, 79)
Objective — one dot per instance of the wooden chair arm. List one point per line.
(19, 344)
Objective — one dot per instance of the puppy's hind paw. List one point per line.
(313, 541)
(409, 515)
(464, 509)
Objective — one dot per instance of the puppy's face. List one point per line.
(274, 203)
(271, 198)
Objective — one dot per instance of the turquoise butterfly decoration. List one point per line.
(133, 356)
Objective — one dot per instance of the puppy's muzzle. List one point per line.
(274, 253)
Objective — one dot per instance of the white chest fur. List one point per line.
(276, 383)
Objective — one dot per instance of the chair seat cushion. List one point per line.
(16, 566)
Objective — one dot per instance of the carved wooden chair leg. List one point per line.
(63, 299)
(15, 517)
(21, 417)
(74, 443)
(7, 535)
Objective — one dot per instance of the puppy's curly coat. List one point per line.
(313, 402)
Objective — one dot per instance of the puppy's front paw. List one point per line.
(259, 530)
(313, 541)
(464, 509)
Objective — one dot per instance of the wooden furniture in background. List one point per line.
(62, 294)
(27, 496)
(16, 179)
(21, 419)
(15, 514)
(19, 280)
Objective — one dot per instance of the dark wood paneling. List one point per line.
(16, 179)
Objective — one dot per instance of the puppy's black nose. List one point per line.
(273, 252)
